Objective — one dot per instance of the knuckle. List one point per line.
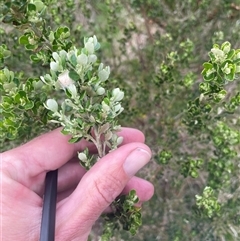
(108, 188)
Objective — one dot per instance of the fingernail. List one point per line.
(135, 161)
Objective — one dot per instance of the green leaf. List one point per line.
(231, 54)
(73, 75)
(73, 60)
(30, 47)
(31, 7)
(207, 65)
(7, 18)
(68, 93)
(23, 40)
(29, 105)
(65, 132)
(34, 58)
(39, 5)
(74, 139)
(62, 32)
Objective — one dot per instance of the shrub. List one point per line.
(185, 101)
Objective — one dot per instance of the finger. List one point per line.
(66, 193)
(69, 175)
(144, 191)
(143, 188)
(29, 163)
(97, 190)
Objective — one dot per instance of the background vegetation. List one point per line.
(156, 51)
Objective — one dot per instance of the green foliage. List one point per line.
(208, 202)
(124, 215)
(185, 101)
(86, 110)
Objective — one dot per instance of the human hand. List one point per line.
(82, 196)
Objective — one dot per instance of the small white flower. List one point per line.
(117, 95)
(52, 105)
(82, 59)
(64, 79)
(217, 52)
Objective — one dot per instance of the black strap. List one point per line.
(47, 232)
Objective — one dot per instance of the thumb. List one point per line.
(98, 189)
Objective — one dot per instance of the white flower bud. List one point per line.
(105, 107)
(52, 105)
(95, 42)
(100, 67)
(226, 49)
(108, 136)
(89, 46)
(82, 59)
(73, 90)
(63, 54)
(47, 79)
(117, 95)
(201, 97)
(42, 79)
(119, 140)
(55, 56)
(92, 58)
(104, 74)
(82, 156)
(117, 107)
(64, 79)
(100, 91)
(217, 52)
(54, 66)
(92, 119)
